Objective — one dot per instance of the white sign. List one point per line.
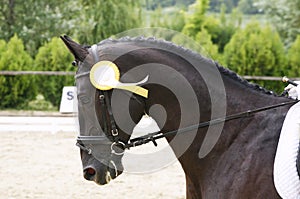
(68, 103)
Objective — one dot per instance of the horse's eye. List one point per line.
(74, 63)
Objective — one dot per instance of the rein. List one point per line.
(152, 137)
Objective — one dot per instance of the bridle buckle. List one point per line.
(115, 132)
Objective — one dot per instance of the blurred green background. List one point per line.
(250, 37)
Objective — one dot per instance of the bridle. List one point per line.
(112, 135)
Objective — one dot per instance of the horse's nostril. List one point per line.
(89, 173)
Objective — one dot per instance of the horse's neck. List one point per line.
(252, 138)
(242, 97)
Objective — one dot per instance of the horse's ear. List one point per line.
(76, 49)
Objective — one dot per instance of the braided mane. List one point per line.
(187, 52)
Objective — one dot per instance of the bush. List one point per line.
(169, 18)
(256, 51)
(2, 46)
(220, 32)
(40, 104)
(204, 39)
(195, 20)
(293, 69)
(201, 43)
(53, 56)
(16, 91)
(218, 26)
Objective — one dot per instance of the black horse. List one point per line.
(228, 159)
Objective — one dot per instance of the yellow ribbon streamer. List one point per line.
(105, 75)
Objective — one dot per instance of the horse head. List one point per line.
(106, 119)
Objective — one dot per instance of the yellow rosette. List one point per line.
(105, 75)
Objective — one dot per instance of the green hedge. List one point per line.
(293, 69)
(54, 56)
(257, 51)
(16, 91)
(253, 50)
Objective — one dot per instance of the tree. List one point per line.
(248, 7)
(222, 28)
(256, 51)
(16, 91)
(53, 56)
(285, 16)
(171, 19)
(36, 21)
(293, 69)
(201, 43)
(204, 40)
(108, 18)
(217, 25)
(154, 4)
(196, 20)
(2, 46)
(216, 5)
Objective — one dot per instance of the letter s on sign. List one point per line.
(70, 95)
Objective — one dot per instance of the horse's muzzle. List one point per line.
(102, 174)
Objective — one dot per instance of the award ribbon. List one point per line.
(105, 75)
